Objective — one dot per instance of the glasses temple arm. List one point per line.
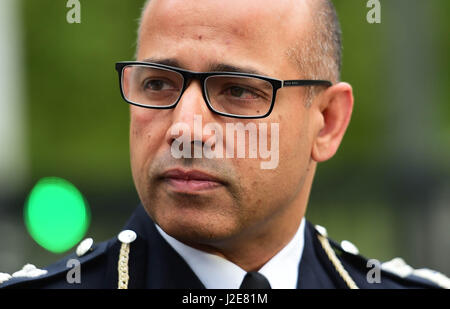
(304, 82)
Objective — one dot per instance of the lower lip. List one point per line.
(183, 185)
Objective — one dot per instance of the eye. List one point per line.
(156, 85)
(241, 93)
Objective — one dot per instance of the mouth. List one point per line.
(190, 181)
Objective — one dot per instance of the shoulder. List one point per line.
(65, 273)
(361, 272)
(103, 265)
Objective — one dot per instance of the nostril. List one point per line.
(197, 149)
(179, 130)
(197, 143)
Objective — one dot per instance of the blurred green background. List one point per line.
(387, 190)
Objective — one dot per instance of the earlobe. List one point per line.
(336, 110)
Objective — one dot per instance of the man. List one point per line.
(211, 218)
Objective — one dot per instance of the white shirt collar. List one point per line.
(216, 272)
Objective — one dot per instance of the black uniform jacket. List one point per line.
(154, 264)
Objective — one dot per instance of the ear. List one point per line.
(335, 108)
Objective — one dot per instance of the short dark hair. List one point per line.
(319, 56)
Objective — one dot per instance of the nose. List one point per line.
(189, 117)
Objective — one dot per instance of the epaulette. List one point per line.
(85, 252)
(400, 268)
(396, 268)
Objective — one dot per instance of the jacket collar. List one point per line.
(153, 263)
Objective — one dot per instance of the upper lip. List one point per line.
(190, 175)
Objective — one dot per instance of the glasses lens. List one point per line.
(151, 86)
(236, 95)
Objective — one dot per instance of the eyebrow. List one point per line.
(214, 67)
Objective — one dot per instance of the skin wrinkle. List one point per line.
(250, 218)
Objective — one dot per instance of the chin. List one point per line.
(197, 226)
(195, 219)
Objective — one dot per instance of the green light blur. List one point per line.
(56, 214)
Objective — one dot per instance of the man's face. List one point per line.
(244, 199)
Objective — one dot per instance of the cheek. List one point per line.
(140, 123)
(146, 136)
(295, 137)
(295, 150)
(276, 186)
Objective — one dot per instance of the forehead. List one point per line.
(199, 31)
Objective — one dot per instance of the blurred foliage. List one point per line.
(77, 119)
(440, 36)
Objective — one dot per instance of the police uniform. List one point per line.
(140, 258)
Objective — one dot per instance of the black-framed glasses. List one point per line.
(230, 94)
